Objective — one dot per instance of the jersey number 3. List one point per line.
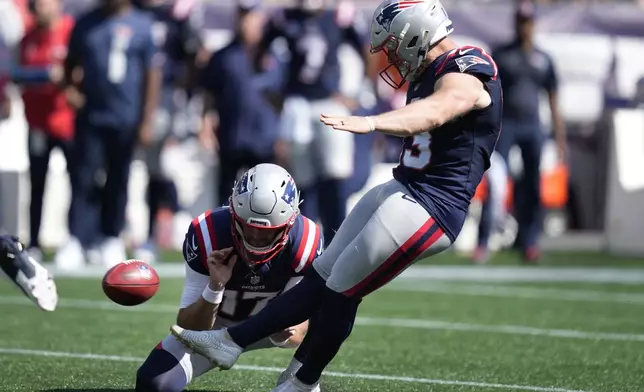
(417, 155)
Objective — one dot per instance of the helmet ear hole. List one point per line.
(412, 42)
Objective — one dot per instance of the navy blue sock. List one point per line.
(334, 323)
(303, 349)
(291, 308)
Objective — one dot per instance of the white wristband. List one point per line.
(214, 297)
(372, 125)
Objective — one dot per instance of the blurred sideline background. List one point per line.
(597, 203)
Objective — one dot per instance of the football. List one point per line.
(130, 283)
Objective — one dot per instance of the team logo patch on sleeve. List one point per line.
(466, 62)
(191, 249)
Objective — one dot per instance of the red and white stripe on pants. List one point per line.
(386, 232)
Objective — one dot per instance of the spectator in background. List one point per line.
(49, 117)
(12, 27)
(247, 124)
(13, 22)
(320, 158)
(113, 46)
(176, 30)
(525, 72)
(493, 214)
(5, 102)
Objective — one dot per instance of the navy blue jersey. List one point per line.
(443, 168)
(313, 41)
(247, 288)
(176, 33)
(246, 119)
(115, 52)
(525, 75)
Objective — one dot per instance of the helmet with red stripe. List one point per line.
(405, 30)
(264, 206)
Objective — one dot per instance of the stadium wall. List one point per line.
(625, 194)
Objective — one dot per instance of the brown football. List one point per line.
(130, 283)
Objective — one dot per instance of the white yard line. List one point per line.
(435, 272)
(366, 321)
(375, 377)
(504, 329)
(516, 292)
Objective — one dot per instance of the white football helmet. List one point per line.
(264, 206)
(406, 30)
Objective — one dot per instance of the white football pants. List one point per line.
(318, 152)
(386, 232)
(497, 177)
(195, 365)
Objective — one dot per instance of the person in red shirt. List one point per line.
(49, 116)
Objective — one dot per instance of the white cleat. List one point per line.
(289, 372)
(216, 345)
(284, 377)
(70, 256)
(295, 385)
(146, 252)
(94, 254)
(113, 252)
(40, 288)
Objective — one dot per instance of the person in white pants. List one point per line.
(493, 213)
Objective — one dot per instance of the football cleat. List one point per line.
(295, 385)
(70, 256)
(31, 277)
(216, 345)
(289, 372)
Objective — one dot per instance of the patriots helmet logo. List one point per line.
(290, 191)
(389, 12)
(241, 186)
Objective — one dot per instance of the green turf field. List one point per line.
(415, 335)
(552, 259)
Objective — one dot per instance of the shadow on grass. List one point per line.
(111, 390)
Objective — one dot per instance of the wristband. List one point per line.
(211, 296)
(372, 126)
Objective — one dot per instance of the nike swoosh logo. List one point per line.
(319, 251)
(408, 198)
(463, 51)
(194, 245)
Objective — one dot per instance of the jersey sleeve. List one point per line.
(150, 55)
(193, 286)
(550, 82)
(469, 60)
(211, 75)
(307, 245)
(74, 46)
(199, 242)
